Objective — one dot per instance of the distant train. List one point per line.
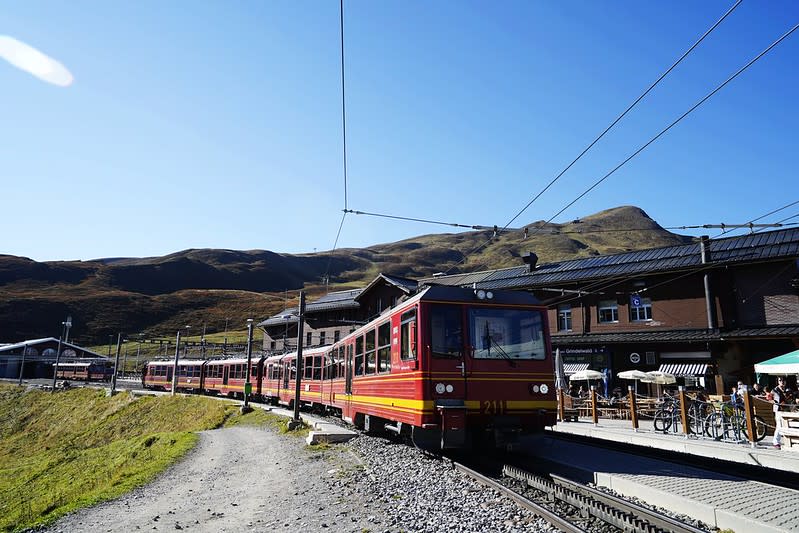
(91, 370)
(449, 368)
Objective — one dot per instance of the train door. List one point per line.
(225, 374)
(169, 373)
(348, 370)
(449, 368)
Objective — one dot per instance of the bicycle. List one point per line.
(729, 423)
(667, 414)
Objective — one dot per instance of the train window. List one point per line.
(254, 371)
(507, 334)
(446, 332)
(317, 367)
(384, 347)
(307, 367)
(408, 335)
(359, 356)
(371, 363)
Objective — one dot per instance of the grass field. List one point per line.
(71, 449)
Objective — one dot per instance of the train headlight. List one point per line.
(450, 388)
(481, 294)
(536, 388)
(489, 295)
(440, 388)
(544, 388)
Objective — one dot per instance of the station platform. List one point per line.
(724, 501)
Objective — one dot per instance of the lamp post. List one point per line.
(247, 384)
(64, 325)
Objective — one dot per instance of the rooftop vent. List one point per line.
(531, 259)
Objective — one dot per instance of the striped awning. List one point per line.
(685, 369)
(573, 368)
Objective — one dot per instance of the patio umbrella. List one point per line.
(636, 375)
(586, 375)
(781, 365)
(560, 373)
(662, 378)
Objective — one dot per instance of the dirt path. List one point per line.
(238, 479)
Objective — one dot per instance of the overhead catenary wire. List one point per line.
(762, 217)
(624, 113)
(576, 159)
(326, 278)
(659, 134)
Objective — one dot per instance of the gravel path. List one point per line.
(249, 479)
(237, 479)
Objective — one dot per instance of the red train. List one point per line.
(95, 370)
(449, 368)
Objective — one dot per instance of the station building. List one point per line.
(705, 311)
(334, 315)
(35, 357)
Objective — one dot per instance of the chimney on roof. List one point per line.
(531, 259)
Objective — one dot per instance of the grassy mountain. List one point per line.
(158, 295)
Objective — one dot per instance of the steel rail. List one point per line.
(539, 510)
(618, 512)
(655, 518)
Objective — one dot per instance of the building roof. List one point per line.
(757, 247)
(333, 301)
(677, 336)
(8, 348)
(406, 285)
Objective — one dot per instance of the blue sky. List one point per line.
(218, 124)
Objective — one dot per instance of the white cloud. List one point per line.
(34, 62)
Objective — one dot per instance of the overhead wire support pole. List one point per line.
(116, 365)
(175, 370)
(297, 421)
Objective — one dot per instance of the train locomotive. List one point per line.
(448, 368)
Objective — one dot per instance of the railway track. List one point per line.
(586, 506)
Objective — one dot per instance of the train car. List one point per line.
(281, 381)
(272, 379)
(449, 367)
(95, 370)
(228, 377)
(158, 375)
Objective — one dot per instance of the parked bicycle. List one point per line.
(729, 423)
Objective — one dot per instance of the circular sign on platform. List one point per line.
(635, 358)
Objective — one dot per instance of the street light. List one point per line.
(247, 385)
(64, 325)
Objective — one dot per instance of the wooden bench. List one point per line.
(789, 428)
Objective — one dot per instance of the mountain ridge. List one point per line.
(156, 295)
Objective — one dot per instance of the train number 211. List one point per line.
(492, 407)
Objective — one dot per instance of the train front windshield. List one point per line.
(506, 334)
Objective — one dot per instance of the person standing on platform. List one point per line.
(778, 393)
